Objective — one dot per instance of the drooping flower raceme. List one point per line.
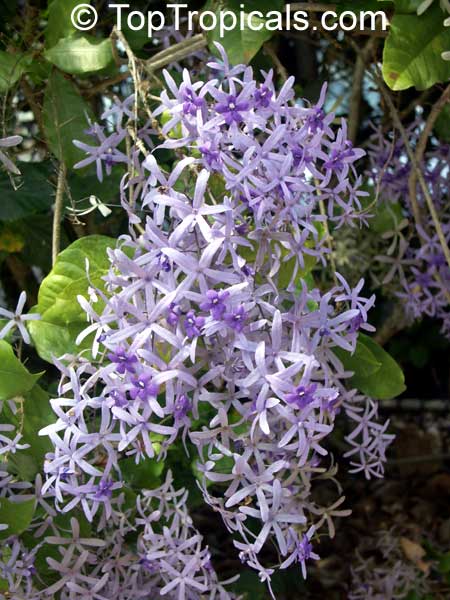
(210, 332)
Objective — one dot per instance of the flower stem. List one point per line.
(57, 213)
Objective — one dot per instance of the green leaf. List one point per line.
(62, 318)
(12, 67)
(24, 201)
(385, 382)
(37, 414)
(65, 118)
(84, 182)
(412, 52)
(80, 54)
(444, 563)
(362, 362)
(17, 515)
(242, 44)
(442, 125)
(59, 23)
(145, 475)
(37, 234)
(137, 39)
(357, 6)
(407, 7)
(387, 216)
(15, 379)
(250, 585)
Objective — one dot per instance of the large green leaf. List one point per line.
(81, 54)
(34, 194)
(62, 318)
(65, 117)
(407, 7)
(17, 515)
(37, 414)
(12, 67)
(59, 24)
(242, 44)
(362, 362)
(385, 382)
(412, 52)
(15, 379)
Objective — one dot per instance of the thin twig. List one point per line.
(355, 98)
(175, 53)
(418, 171)
(419, 101)
(424, 137)
(382, 173)
(330, 240)
(281, 69)
(99, 87)
(57, 214)
(37, 111)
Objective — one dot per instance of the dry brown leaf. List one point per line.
(415, 553)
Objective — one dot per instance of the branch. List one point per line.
(418, 173)
(99, 87)
(271, 53)
(28, 92)
(355, 98)
(175, 53)
(310, 7)
(424, 137)
(57, 214)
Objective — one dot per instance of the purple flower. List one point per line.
(303, 551)
(106, 153)
(232, 108)
(174, 314)
(263, 96)
(124, 360)
(193, 325)
(104, 488)
(182, 406)
(143, 387)
(149, 565)
(17, 319)
(192, 102)
(120, 109)
(236, 319)
(164, 261)
(118, 398)
(302, 396)
(215, 302)
(216, 233)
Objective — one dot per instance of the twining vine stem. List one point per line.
(58, 210)
(424, 136)
(418, 172)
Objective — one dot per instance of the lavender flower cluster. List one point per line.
(414, 263)
(168, 559)
(209, 333)
(381, 570)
